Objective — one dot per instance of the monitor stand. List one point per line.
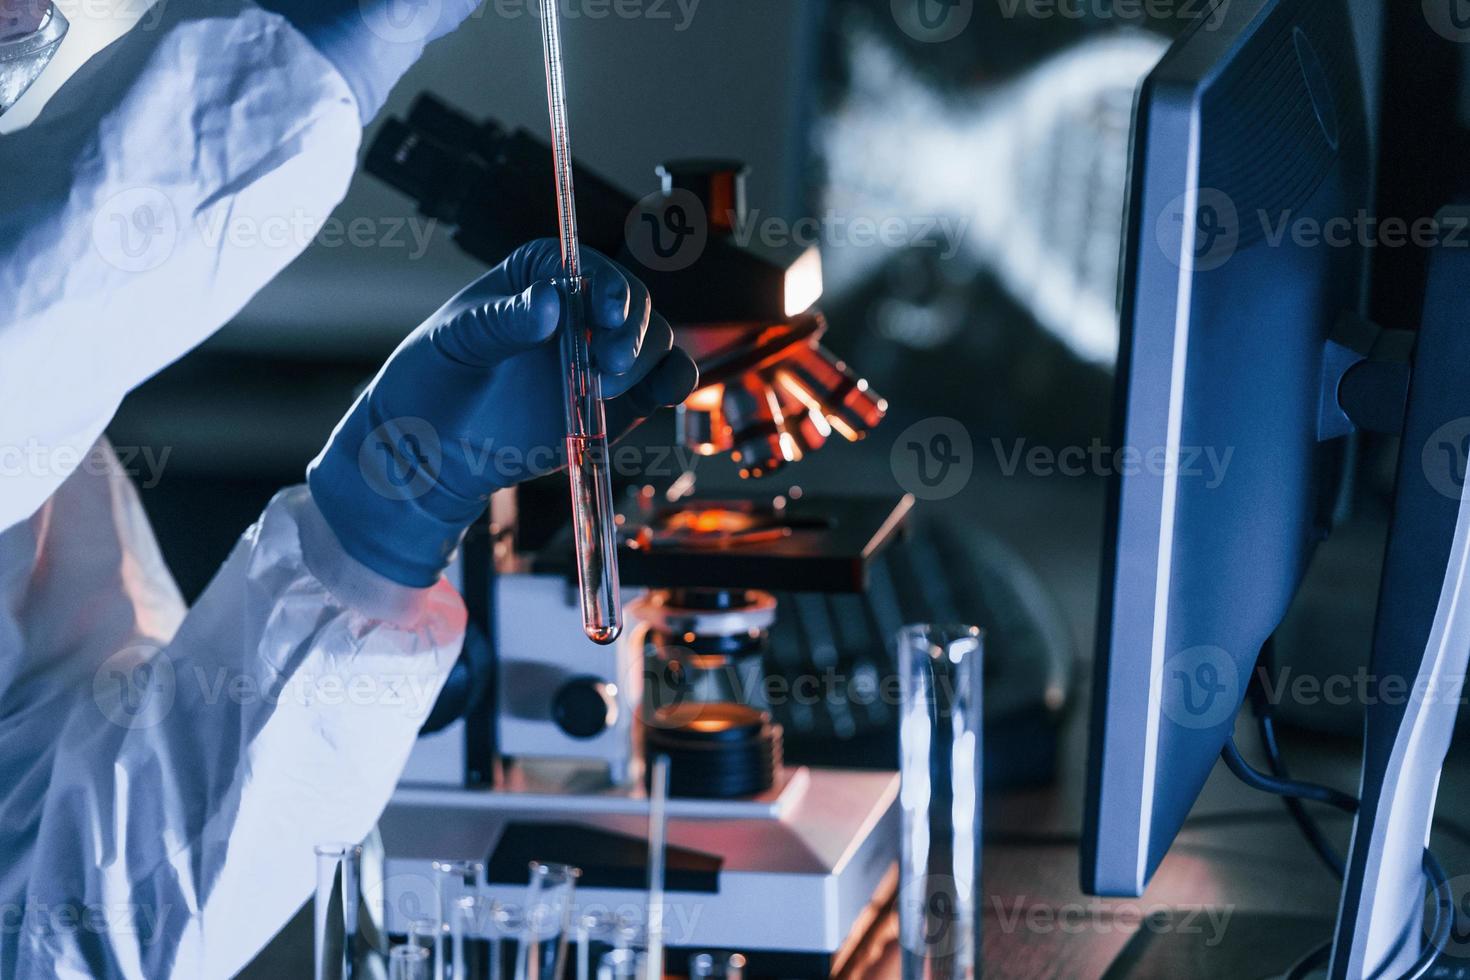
(1421, 645)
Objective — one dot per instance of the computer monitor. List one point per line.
(1250, 169)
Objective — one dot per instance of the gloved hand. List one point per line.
(373, 43)
(471, 403)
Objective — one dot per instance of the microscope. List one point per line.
(537, 748)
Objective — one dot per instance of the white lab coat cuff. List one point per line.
(348, 579)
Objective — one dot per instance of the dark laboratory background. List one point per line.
(1005, 152)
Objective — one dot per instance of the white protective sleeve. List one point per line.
(165, 774)
(168, 181)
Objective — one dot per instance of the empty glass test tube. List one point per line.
(550, 911)
(409, 962)
(453, 880)
(717, 966)
(335, 912)
(941, 673)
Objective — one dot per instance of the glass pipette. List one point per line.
(593, 527)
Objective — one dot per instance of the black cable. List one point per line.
(1444, 917)
(1311, 830)
(1444, 920)
(1280, 781)
(1444, 912)
(1256, 779)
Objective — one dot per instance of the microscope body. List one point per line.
(544, 738)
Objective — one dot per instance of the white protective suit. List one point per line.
(165, 772)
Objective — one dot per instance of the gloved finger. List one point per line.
(657, 342)
(484, 334)
(669, 383)
(616, 346)
(611, 291)
(540, 261)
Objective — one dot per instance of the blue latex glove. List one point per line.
(373, 43)
(471, 403)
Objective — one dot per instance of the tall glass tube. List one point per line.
(453, 880)
(942, 674)
(426, 934)
(589, 468)
(336, 927)
(591, 927)
(472, 934)
(508, 926)
(550, 909)
(588, 465)
(658, 837)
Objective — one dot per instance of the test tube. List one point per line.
(453, 880)
(717, 966)
(593, 925)
(508, 922)
(658, 834)
(471, 932)
(409, 962)
(550, 903)
(622, 964)
(588, 465)
(335, 911)
(425, 934)
(941, 674)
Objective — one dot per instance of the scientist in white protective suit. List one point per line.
(176, 840)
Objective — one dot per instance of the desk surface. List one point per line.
(1244, 885)
(1239, 876)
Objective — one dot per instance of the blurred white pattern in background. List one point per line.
(1031, 176)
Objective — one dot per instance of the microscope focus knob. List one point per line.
(585, 707)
